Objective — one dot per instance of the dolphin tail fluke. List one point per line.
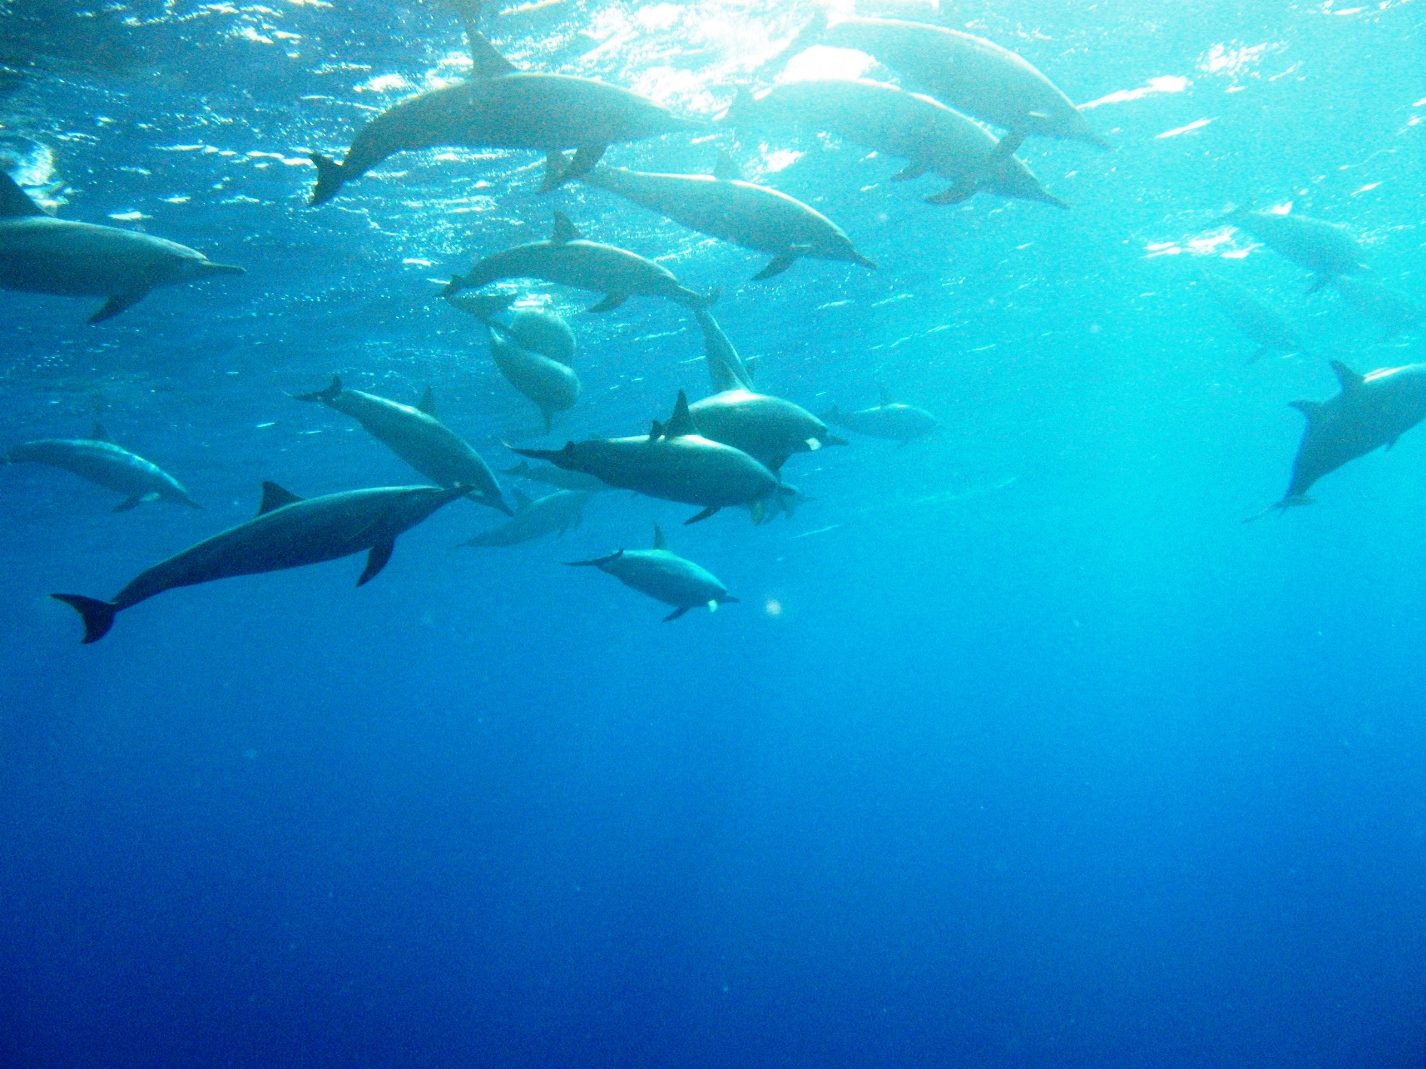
(556, 171)
(331, 177)
(597, 562)
(709, 299)
(330, 392)
(98, 615)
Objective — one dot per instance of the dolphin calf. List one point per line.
(500, 107)
(721, 204)
(1371, 410)
(287, 532)
(663, 576)
(417, 437)
(673, 462)
(99, 460)
(550, 385)
(567, 259)
(933, 138)
(549, 475)
(1326, 249)
(1259, 323)
(39, 254)
(552, 514)
(1393, 312)
(899, 423)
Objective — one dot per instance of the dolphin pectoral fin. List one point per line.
(676, 613)
(961, 191)
(585, 158)
(375, 561)
(556, 170)
(98, 615)
(331, 176)
(610, 302)
(914, 169)
(760, 512)
(776, 266)
(133, 502)
(833, 439)
(709, 511)
(116, 304)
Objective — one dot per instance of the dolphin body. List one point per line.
(1390, 310)
(501, 107)
(663, 576)
(417, 437)
(554, 513)
(1371, 410)
(673, 462)
(1259, 323)
(753, 216)
(537, 331)
(1326, 249)
(569, 260)
(287, 532)
(40, 254)
(934, 139)
(550, 385)
(99, 460)
(897, 422)
(968, 73)
(549, 475)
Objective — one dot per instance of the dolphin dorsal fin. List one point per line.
(522, 500)
(564, 230)
(750, 365)
(275, 497)
(659, 541)
(1349, 379)
(428, 403)
(884, 394)
(486, 61)
(14, 201)
(726, 169)
(655, 431)
(680, 423)
(99, 434)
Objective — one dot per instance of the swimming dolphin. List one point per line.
(663, 576)
(287, 532)
(39, 254)
(899, 423)
(532, 329)
(1259, 323)
(1326, 249)
(934, 139)
(500, 107)
(1371, 410)
(569, 260)
(964, 72)
(554, 513)
(551, 385)
(417, 437)
(673, 462)
(99, 460)
(721, 204)
(1390, 310)
(550, 475)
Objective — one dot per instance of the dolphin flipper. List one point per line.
(98, 615)
(610, 302)
(709, 511)
(676, 613)
(116, 304)
(133, 502)
(375, 561)
(776, 266)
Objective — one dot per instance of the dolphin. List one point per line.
(500, 107)
(551, 385)
(549, 475)
(569, 260)
(1390, 310)
(417, 437)
(898, 422)
(287, 532)
(1371, 410)
(663, 576)
(99, 460)
(39, 254)
(1259, 323)
(968, 73)
(537, 331)
(556, 512)
(721, 204)
(934, 139)
(1326, 249)
(673, 462)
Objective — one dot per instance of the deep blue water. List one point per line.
(1019, 749)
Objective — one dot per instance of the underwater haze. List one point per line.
(1018, 747)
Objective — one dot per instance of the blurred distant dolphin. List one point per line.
(1326, 249)
(39, 254)
(287, 532)
(99, 460)
(898, 422)
(664, 576)
(1390, 310)
(552, 514)
(1259, 323)
(550, 475)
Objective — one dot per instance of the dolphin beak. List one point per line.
(210, 269)
(833, 439)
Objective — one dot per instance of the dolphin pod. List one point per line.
(1258, 323)
(896, 422)
(663, 576)
(417, 437)
(1326, 249)
(552, 514)
(40, 254)
(721, 204)
(287, 532)
(933, 138)
(99, 460)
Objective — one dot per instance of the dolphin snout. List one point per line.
(208, 269)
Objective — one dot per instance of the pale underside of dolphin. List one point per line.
(99, 460)
(663, 576)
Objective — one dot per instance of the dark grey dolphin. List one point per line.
(99, 460)
(417, 437)
(287, 532)
(39, 254)
(934, 139)
(672, 462)
(552, 514)
(549, 384)
(501, 107)
(549, 475)
(663, 576)
(1260, 324)
(1371, 410)
(745, 214)
(897, 422)
(569, 260)
(1326, 249)
(1393, 312)
(967, 73)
